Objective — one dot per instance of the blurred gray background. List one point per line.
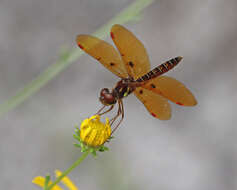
(194, 150)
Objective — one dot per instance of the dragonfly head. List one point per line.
(107, 98)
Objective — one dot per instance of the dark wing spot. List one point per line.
(99, 58)
(154, 115)
(179, 103)
(141, 91)
(130, 63)
(112, 35)
(80, 46)
(153, 86)
(112, 64)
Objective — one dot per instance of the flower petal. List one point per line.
(66, 181)
(39, 180)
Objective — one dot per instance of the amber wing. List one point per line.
(157, 105)
(171, 89)
(132, 51)
(104, 53)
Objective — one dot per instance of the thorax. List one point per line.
(124, 87)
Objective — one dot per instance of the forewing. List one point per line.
(132, 51)
(104, 53)
(171, 89)
(158, 106)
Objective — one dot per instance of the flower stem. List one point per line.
(74, 165)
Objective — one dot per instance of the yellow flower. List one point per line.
(39, 180)
(93, 132)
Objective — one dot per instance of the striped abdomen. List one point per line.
(161, 69)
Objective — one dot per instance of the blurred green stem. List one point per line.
(131, 13)
(74, 165)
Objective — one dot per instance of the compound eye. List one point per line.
(104, 91)
(109, 97)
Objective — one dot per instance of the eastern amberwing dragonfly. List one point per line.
(131, 64)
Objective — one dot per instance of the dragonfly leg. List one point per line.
(115, 117)
(120, 112)
(99, 112)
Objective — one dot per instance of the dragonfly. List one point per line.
(130, 62)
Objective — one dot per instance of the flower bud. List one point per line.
(93, 132)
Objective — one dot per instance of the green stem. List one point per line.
(131, 13)
(47, 179)
(74, 165)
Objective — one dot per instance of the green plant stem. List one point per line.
(65, 173)
(47, 179)
(131, 13)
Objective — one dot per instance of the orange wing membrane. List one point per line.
(104, 53)
(132, 51)
(171, 89)
(158, 106)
